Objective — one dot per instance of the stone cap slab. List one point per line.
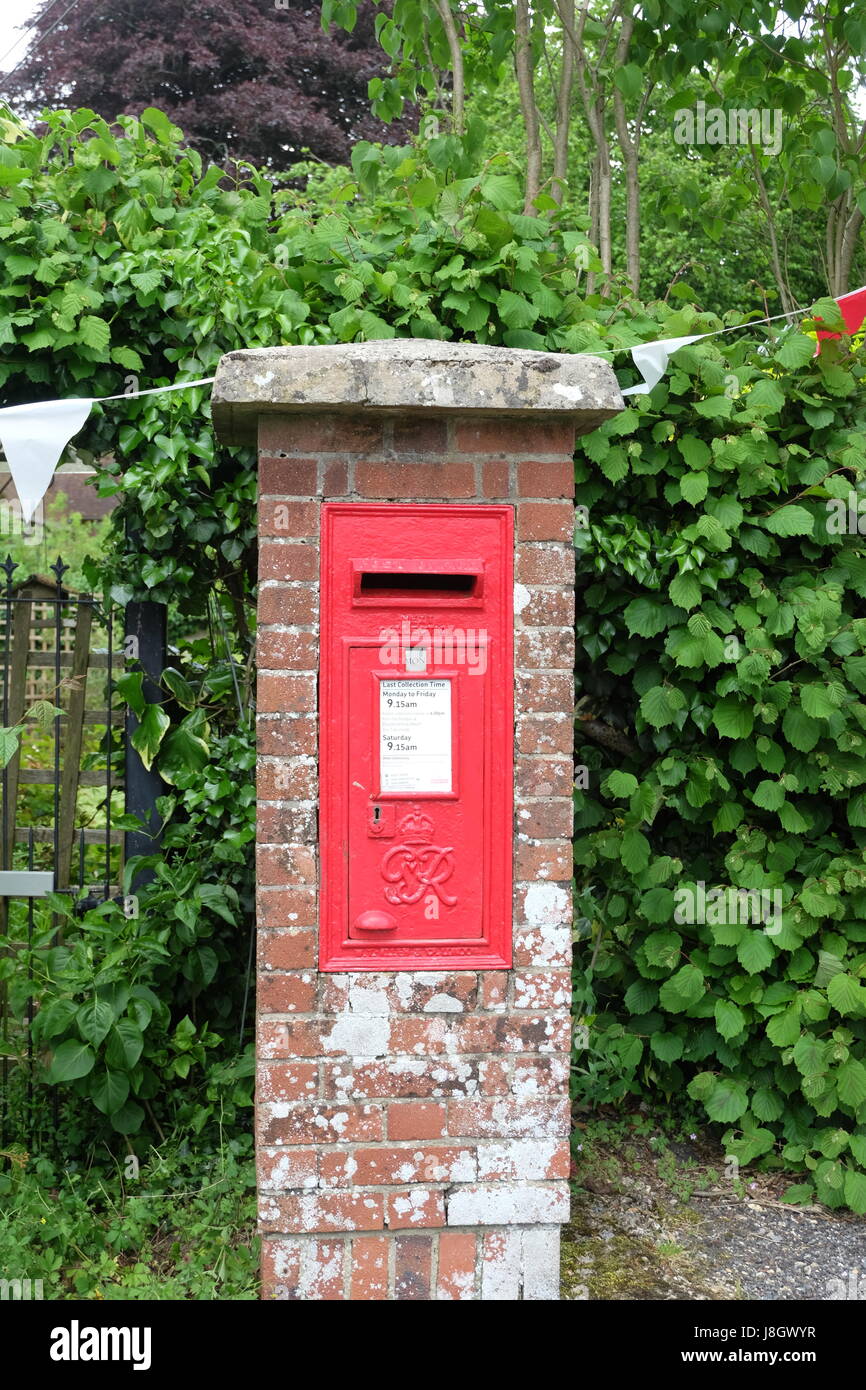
(409, 376)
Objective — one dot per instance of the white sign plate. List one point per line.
(415, 736)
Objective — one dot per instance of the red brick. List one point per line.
(413, 1267)
(278, 693)
(417, 1037)
(544, 820)
(285, 949)
(544, 989)
(281, 1269)
(553, 862)
(289, 560)
(416, 1164)
(501, 435)
(494, 988)
(544, 776)
(539, 648)
(416, 1120)
(292, 1037)
(277, 650)
(548, 608)
(283, 516)
(545, 521)
(322, 1212)
(456, 1273)
(318, 432)
(409, 480)
(546, 479)
(288, 604)
(545, 735)
(459, 984)
(496, 479)
(494, 1077)
(394, 1080)
(290, 779)
(281, 736)
(417, 1206)
(285, 865)
(541, 1076)
(533, 948)
(282, 823)
(421, 436)
(334, 480)
(510, 1118)
(545, 564)
(322, 1270)
(287, 907)
(284, 1170)
(283, 993)
(287, 1081)
(295, 477)
(369, 1268)
(323, 1124)
(545, 692)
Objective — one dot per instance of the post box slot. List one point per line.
(373, 582)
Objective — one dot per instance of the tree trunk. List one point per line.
(526, 88)
(565, 10)
(458, 81)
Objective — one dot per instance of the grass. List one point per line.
(179, 1226)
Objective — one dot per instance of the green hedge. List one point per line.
(721, 873)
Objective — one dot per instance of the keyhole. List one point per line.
(377, 814)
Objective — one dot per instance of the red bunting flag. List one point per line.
(853, 308)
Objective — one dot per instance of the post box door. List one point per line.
(416, 735)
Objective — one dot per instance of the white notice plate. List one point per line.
(415, 736)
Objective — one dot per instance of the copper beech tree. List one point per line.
(251, 79)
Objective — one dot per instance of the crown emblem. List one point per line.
(416, 828)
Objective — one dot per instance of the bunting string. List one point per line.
(34, 436)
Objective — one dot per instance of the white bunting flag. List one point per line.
(651, 360)
(33, 438)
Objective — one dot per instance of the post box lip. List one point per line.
(407, 597)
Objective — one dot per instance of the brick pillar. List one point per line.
(413, 1126)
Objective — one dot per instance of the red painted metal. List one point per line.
(416, 732)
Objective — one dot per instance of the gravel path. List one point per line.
(633, 1237)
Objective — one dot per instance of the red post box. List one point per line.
(416, 735)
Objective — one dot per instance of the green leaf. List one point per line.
(729, 1019)
(682, 990)
(847, 995)
(620, 784)
(800, 731)
(125, 1045)
(784, 1028)
(769, 794)
(668, 1047)
(660, 705)
(795, 351)
(149, 735)
(732, 718)
(767, 1105)
(851, 1083)
(727, 1101)
(855, 1191)
(693, 486)
(635, 851)
(641, 996)
(109, 1091)
(94, 332)
(685, 591)
(755, 952)
(790, 521)
(70, 1061)
(94, 1019)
